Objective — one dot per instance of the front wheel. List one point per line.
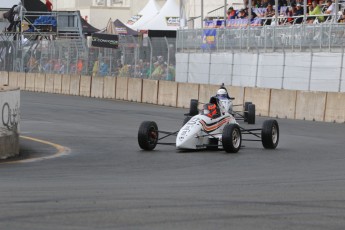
(270, 134)
(231, 138)
(148, 135)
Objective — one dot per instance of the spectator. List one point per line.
(270, 12)
(317, 10)
(342, 17)
(298, 12)
(330, 7)
(242, 14)
(79, 66)
(95, 68)
(103, 70)
(158, 71)
(49, 5)
(17, 13)
(231, 13)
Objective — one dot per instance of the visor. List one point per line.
(222, 96)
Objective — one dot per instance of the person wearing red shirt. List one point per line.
(49, 5)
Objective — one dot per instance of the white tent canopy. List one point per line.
(168, 18)
(144, 16)
(8, 3)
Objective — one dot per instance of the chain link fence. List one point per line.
(151, 58)
(301, 37)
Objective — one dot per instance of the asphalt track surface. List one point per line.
(102, 180)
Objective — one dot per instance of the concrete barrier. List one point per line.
(260, 97)
(310, 105)
(97, 87)
(85, 86)
(3, 78)
(121, 88)
(49, 84)
(167, 93)
(10, 121)
(283, 103)
(21, 80)
(57, 83)
(135, 87)
(74, 85)
(150, 91)
(13, 79)
(65, 84)
(40, 81)
(30, 81)
(205, 92)
(109, 87)
(186, 92)
(335, 107)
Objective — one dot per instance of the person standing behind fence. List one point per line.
(95, 68)
(49, 5)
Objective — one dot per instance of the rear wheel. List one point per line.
(193, 108)
(148, 135)
(251, 114)
(231, 138)
(246, 104)
(270, 134)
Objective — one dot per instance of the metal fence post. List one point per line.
(311, 67)
(341, 67)
(151, 54)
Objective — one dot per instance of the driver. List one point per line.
(222, 100)
(211, 110)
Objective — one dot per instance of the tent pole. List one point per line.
(202, 14)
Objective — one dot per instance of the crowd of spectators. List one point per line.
(289, 12)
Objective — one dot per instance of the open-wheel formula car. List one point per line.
(202, 131)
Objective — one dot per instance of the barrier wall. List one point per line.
(135, 86)
(185, 93)
(40, 80)
(121, 88)
(49, 83)
(109, 87)
(291, 104)
(85, 86)
(9, 121)
(150, 91)
(167, 93)
(3, 78)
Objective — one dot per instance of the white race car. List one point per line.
(210, 130)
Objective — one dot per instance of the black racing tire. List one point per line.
(193, 108)
(186, 119)
(231, 138)
(245, 113)
(251, 114)
(148, 135)
(270, 134)
(213, 144)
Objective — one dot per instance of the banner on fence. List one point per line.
(105, 40)
(209, 39)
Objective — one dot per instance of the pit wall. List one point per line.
(291, 104)
(9, 121)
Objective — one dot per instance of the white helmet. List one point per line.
(221, 93)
